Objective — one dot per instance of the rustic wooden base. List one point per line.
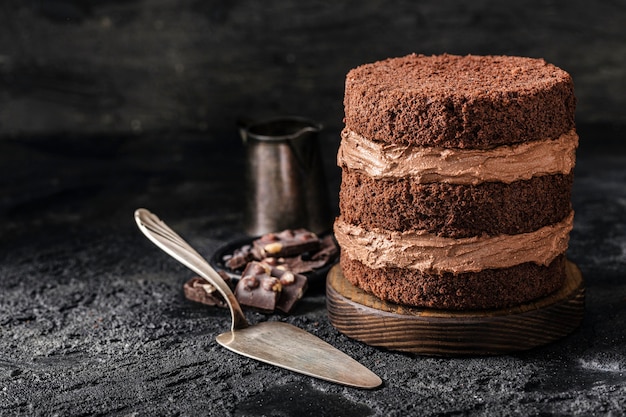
(371, 320)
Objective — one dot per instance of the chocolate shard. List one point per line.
(293, 288)
(327, 253)
(257, 289)
(239, 258)
(268, 288)
(285, 243)
(201, 291)
(328, 250)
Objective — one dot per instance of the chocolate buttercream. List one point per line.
(419, 250)
(507, 163)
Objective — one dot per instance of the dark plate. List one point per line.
(316, 278)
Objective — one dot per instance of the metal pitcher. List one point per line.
(286, 186)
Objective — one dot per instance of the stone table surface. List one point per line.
(93, 320)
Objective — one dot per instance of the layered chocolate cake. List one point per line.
(456, 180)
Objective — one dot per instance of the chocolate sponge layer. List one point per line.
(452, 210)
(488, 289)
(453, 101)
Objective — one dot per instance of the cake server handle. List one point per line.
(170, 242)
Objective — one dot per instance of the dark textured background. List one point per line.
(117, 66)
(110, 105)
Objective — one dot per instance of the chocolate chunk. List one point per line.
(201, 291)
(239, 258)
(268, 288)
(327, 254)
(293, 288)
(285, 243)
(273, 261)
(329, 249)
(257, 288)
(300, 251)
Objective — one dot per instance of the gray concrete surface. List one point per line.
(93, 320)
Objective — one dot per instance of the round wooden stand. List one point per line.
(371, 320)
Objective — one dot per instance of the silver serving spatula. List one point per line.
(275, 343)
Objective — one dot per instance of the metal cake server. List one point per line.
(276, 343)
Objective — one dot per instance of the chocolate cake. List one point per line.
(456, 180)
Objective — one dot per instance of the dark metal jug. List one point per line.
(286, 186)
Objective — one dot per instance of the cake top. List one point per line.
(459, 101)
(469, 76)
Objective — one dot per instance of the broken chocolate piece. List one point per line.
(239, 258)
(300, 266)
(286, 243)
(257, 288)
(268, 288)
(327, 254)
(272, 284)
(293, 288)
(201, 291)
(328, 251)
(273, 261)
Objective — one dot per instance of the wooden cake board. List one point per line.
(423, 331)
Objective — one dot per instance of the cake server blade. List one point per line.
(273, 342)
(289, 347)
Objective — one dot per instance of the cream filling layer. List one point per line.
(458, 166)
(426, 252)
